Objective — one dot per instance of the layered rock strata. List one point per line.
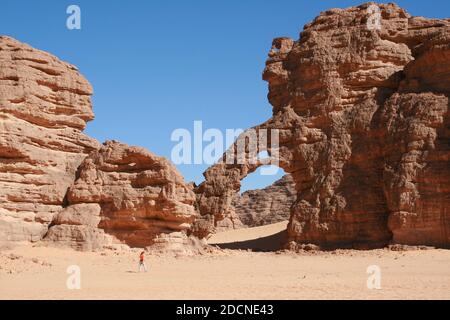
(268, 205)
(363, 117)
(63, 187)
(44, 106)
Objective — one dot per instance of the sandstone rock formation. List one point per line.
(364, 131)
(63, 187)
(265, 206)
(125, 194)
(44, 106)
(77, 226)
(363, 119)
(139, 196)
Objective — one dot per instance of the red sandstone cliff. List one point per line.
(364, 126)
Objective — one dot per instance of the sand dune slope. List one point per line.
(265, 238)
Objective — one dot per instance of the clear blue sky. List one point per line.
(158, 65)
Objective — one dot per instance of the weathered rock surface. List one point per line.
(76, 226)
(266, 206)
(363, 120)
(364, 131)
(63, 187)
(140, 197)
(44, 106)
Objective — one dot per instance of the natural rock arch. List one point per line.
(363, 121)
(363, 118)
(223, 180)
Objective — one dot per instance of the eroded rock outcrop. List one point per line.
(44, 107)
(131, 194)
(364, 131)
(363, 120)
(63, 187)
(77, 226)
(268, 205)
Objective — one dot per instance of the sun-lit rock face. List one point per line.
(364, 123)
(44, 106)
(139, 195)
(63, 187)
(364, 131)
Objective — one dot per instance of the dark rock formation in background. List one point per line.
(364, 125)
(265, 206)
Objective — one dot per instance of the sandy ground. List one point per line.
(28, 272)
(246, 234)
(266, 238)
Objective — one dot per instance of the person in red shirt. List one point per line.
(142, 264)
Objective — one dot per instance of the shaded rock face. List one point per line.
(44, 106)
(363, 120)
(63, 187)
(77, 226)
(265, 206)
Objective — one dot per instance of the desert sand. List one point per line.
(37, 272)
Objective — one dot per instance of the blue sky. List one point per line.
(158, 65)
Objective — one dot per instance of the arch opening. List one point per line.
(263, 207)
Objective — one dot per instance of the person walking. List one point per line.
(142, 264)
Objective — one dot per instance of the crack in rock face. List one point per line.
(364, 126)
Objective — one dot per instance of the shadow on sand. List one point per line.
(270, 243)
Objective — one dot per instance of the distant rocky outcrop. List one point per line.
(364, 122)
(266, 206)
(63, 187)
